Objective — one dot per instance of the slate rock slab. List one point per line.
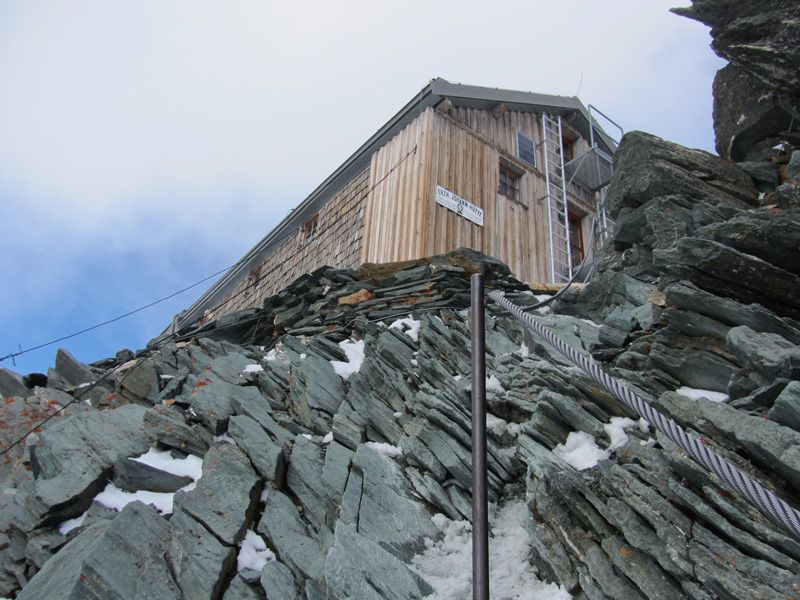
(121, 559)
(202, 564)
(73, 455)
(227, 514)
(357, 567)
(266, 456)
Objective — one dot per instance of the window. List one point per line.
(525, 149)
(509, 183)
(310, 228)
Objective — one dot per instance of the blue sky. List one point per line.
(144, 146)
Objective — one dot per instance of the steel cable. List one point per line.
(766, 501)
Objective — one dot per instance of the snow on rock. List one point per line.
(328, 438)
(696, 394)
(513, 429)
(117, 499)
(615, 430)
(386, 449)
(191, 466)
(495, 424)
(409, 326)
(271, 355)
(493, 383)
(354, 350)
(446, 564)
(524, 351)
(254, 368)
(70, 524)
(580, 450)
(253, 553)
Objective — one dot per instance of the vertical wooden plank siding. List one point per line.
(460, 152)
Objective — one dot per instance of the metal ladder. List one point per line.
(557, 212)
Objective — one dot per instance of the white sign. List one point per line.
(458, 205)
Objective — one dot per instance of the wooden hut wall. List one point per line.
(461, 153)
(335, 241)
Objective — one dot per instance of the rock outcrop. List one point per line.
(319, 447)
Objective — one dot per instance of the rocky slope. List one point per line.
(319, 447)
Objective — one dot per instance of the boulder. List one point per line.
(227, 515)
(726, 272)
(117, 560)
(277, 581)
(759, 38)
(786, 408)
(73, 457)
(12, 384)
(746, 111)
(357, 567)
(289, 536)
(201, 564)
(265, 455)
(647, 167)
(131, 476)
(71, 370)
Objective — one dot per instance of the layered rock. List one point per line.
(333, 424)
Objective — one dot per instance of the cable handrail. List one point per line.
(769, 504)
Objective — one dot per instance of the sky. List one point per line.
(146, 145)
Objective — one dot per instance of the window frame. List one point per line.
(310, 229)
(508, 179)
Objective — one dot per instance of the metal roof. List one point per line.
(438, 89)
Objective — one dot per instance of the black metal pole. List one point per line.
(480, 500)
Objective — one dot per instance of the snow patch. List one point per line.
(355, 356)
(387, 449)
(70, 524)
(117, 499)
(271, 355)
(580, 451)
(495, 424)
(253, 553)
(255, 368)
(524, 351)
(493, 384)
(446, 564)
(191, 466)
(696, 394)
(615, 430)
(328, 438)
(410, 326)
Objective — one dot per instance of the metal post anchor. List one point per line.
(480, 501)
